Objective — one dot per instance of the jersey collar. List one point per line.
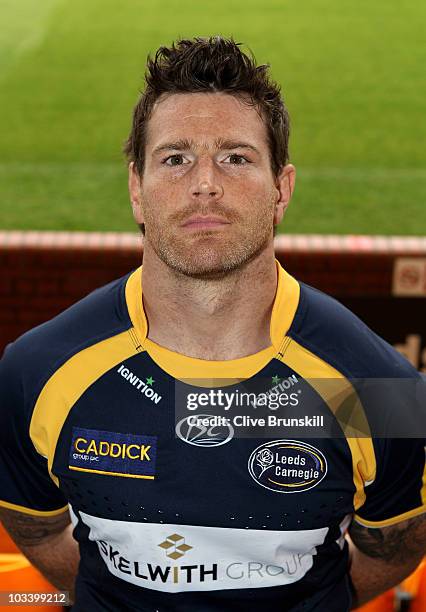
(283, 311)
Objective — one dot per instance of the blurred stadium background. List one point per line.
(352, 75)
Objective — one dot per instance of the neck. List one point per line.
(215, 319)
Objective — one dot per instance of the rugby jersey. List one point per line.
(175, 513)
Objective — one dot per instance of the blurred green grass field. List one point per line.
(352, 75)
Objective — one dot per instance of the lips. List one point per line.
(204, 222)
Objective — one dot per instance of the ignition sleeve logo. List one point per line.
(287, 466)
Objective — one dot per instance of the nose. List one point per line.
(205, 182)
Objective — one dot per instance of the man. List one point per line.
(165, 521)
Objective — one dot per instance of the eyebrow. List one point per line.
(184, 144)
(234, 144)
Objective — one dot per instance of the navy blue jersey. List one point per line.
(177, 514)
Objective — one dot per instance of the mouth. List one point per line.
(198, 222)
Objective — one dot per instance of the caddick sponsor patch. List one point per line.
(287, 466)
(113, 453)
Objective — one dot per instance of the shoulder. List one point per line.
(31, 359)
(335, 334)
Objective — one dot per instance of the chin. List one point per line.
(210, 263)
(202, 267)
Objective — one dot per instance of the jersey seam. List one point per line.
(283, 347)
(135, 339)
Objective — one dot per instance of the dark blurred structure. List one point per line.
(382, 279)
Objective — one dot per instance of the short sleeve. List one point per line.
(25, 484)
(399, 489)
(396, 410)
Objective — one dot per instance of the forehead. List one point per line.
(205, 117)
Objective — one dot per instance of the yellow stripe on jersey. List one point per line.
(285, 306)
(392, 521)
(24, 510)
(334, 388)
(79, 469)
(135, 305)
(66, 386)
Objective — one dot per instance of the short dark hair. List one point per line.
(214, 64)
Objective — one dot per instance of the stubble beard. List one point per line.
(212, 254)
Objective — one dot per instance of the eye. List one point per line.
(237, 160)
(174, 160)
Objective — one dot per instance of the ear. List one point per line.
(285, 182)
(135, 183)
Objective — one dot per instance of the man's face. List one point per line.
(207, 197)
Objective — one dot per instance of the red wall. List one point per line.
(44, 272)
